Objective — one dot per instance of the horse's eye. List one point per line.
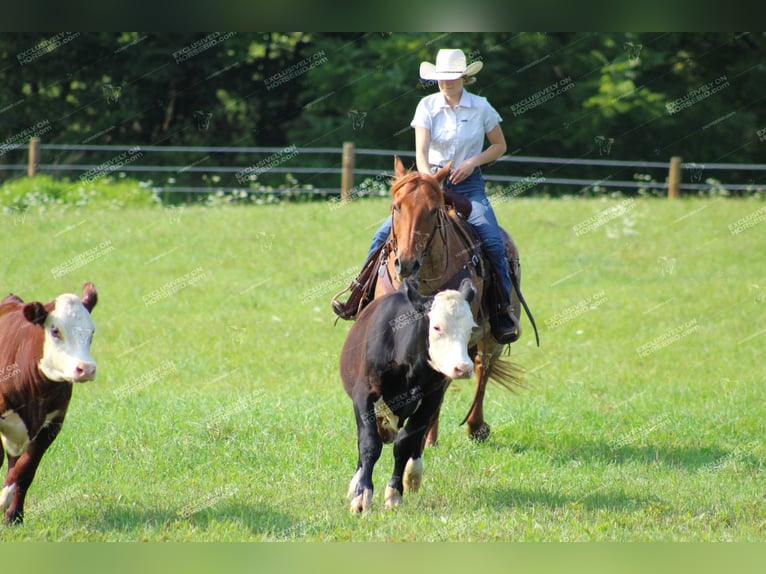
(396, 208)
(434, 211)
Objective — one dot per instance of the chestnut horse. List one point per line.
(439, 249)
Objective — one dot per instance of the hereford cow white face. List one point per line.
(68, 333)
(449, 330)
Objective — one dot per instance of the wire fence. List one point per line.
(332, 171)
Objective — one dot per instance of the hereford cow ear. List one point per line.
(35, 313)
(467, 290)
(89, 296)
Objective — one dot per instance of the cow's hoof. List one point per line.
(14, 519)
(6, 496)
(393, 497)
(413, 475)
(354, 483)
(362, 502)
(480, 434)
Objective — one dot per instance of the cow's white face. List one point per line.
(449, 330)
(68, 333)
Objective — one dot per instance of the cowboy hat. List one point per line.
(450, 65)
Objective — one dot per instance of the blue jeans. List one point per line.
(482, 219)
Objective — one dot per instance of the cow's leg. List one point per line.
(22, 469)
(408, 449)
(476, 427)
(6, 493)
(370, 446)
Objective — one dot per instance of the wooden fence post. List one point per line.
(347, 177)
(34, 156)
(674, 178)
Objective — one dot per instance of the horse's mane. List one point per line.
(415, 177)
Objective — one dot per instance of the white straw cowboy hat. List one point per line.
(450, 65)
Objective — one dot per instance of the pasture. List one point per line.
(218, 413)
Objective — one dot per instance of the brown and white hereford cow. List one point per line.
(43, 350)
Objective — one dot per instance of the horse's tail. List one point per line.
(505, 373)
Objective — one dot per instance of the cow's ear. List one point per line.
(410, 288)
(89, 296)
(467, 290)
(35, 313)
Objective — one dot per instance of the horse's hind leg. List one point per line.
(476, 427)
(432, 437)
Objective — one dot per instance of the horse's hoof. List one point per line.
(480, 434)
(393, 497)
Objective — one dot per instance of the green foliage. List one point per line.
(44, 192)
(321, 89)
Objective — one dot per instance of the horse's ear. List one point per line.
(399, 167)
(442, 174)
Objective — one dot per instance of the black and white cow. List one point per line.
(398, 359)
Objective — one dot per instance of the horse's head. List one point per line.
(417, 201)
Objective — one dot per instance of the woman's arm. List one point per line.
(497, 147)
(422, 143)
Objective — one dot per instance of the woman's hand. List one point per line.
(462, 170)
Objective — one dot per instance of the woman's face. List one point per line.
(451, 88)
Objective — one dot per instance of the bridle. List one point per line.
(439, 227)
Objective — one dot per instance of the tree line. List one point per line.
(622, 95)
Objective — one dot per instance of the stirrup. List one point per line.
(507, 333)
(341, 309)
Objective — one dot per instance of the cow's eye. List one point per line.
(436, 329)
(55, 333)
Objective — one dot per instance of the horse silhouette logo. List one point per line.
(666, 265)
(357, 119)
(202, 119)
(634, 50)
(696, 172)
(759, 292)
(604, 144)
(111, 93)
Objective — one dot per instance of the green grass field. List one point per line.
(218, 413)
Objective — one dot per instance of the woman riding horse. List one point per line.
(451, 125)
